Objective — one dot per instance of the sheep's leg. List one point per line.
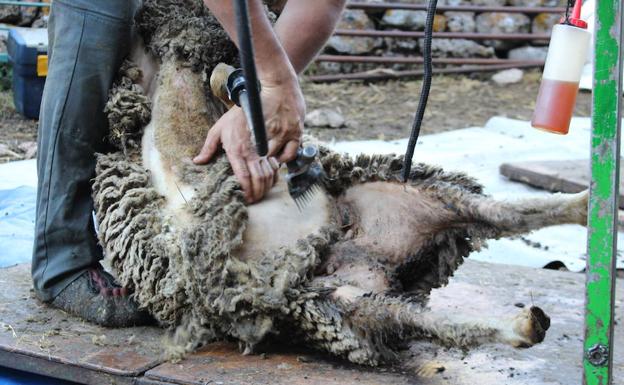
(387, 315)
(525, 329)
(523, 216)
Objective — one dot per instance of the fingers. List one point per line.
(268, 175)
(256, 176)
(275, 166)
(263, 177)
(284, 150)
(258, 180)
(275, 146)
(290, 151)
(239, 166)
(213, 139)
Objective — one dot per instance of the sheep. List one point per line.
(349, 274)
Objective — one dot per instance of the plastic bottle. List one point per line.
(564, 64)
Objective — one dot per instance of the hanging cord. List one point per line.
(424, 92)
(246, 53)
(569, 4)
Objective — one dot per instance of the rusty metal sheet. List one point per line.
(223, 363)
(60, 371)
(479, 290)
(32, 333)
(51, 343)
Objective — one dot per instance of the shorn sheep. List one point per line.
(349, 275)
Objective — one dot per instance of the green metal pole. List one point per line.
(603, 205)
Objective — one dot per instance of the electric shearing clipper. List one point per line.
(305, 173)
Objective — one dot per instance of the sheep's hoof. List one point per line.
(530, 327)
(249, 349)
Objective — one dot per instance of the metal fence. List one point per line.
(490, 64)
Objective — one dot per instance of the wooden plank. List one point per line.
(50, 342)
(568, 176)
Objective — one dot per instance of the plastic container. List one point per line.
(564, 66)
(27, 49)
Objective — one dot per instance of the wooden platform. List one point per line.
(568, 176)
(41, 340)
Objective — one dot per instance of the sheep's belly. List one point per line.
(276, 221)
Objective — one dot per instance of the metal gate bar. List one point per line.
(23, 3)
(442, 35)
(382, 6)
(419, 60)
(603, 205)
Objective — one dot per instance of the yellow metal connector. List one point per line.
(42, 65)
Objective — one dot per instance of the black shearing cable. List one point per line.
(246, 54)
(424, 92)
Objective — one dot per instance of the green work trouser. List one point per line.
(88, 41)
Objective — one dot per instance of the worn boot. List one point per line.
(95, 297)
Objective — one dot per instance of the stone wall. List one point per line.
(406, 20)
(23, 16)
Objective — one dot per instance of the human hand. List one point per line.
(284, 112)
(256, 174)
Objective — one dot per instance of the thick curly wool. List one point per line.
(184, 30)
(186, 277)
(128, 109)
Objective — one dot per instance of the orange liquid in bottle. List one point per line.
(555, 106)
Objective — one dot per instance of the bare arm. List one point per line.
(272, 63)
(280, 55)
(305, 26)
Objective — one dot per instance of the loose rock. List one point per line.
(325, 117)
(460, 21)
(413, 20)
(9, 14)
(29, 149)
(510, 76)
(409, 46)
(6, 152)
(528, 53)
(458, 48)
(354, 19)
(543, 24)
(29, 14)
(502, 22)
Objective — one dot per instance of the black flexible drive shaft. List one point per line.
(424, 92)
(246, 53)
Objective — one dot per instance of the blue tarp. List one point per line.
(16, 377)
(17, 218)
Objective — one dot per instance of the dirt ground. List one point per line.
(380, 110)
(17, 134)
(386, 110)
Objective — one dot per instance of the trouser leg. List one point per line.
(88, 41)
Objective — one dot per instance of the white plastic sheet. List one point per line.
(478, 151)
